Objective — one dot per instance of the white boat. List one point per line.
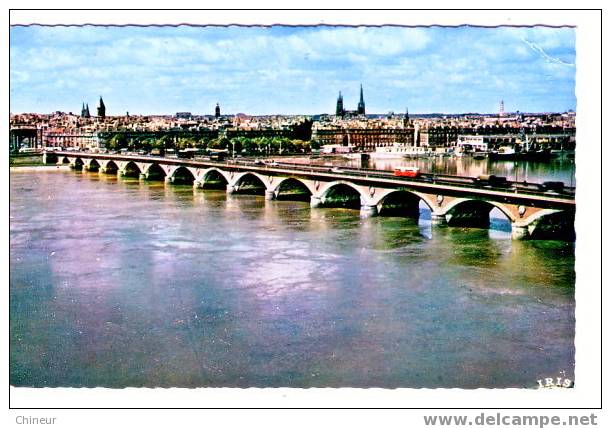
(397, 151)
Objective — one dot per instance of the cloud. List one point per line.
(290, 70)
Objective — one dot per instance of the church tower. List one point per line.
(102, 109)
(361, 106)
(85, 111)
(339, 108)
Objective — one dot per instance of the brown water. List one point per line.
(124, 283)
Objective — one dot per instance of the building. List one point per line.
(183, 115)
(24, 137)
(217, 111)
(340, 110)
(85, 111)
(339, 107)
(101, 109)
(437, 136)
(258, 133)
(361, 107)
(365, 135)
(336, 148)
(478, 143)
(69, 138)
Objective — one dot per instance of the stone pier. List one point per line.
(438, 219)
(369, 210)
(519, 232)
(315, 202)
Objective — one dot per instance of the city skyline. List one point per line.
(292, 70)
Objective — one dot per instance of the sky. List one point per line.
(291, 70)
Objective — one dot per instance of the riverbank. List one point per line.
(26, 159)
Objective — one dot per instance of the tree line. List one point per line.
(241, 145)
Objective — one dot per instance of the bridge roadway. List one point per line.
(453, 200)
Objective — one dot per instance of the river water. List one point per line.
(557, 169)
(116, 283)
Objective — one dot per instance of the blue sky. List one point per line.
(257, 70)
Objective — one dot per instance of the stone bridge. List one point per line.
(453, 201)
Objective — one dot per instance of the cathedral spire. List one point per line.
(361, 106)
(101, 108)
(339, 108)
(85, 111)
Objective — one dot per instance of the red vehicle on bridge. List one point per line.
(407, 171)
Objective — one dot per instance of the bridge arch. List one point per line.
(130, 169)
(183, 175)
(215, 175)
(401, 203)
(92, 164)
(292, 188)
(154, 171)
(341, 194)
(250, 182)
(502, 207)
(551, 224)
(324, 190)
(474, 212)
(536, 217)
(109, 166)
(75, 162)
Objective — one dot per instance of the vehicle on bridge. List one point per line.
(553, 186)
(182, 154)
(190, 153)
(492, 180)
(407, 171)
